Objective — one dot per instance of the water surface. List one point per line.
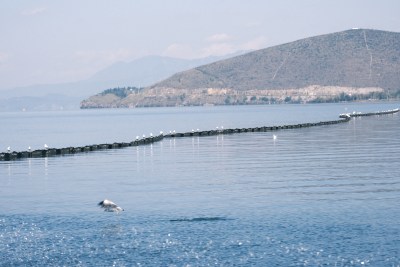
(320, 196)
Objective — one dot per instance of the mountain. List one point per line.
(141, 72)
(349, 65)
(354, 58)
(64, 96)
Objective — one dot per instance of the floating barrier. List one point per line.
(50, 152)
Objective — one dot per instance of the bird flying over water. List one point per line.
(110, 206)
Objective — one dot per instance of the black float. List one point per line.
(149, 140)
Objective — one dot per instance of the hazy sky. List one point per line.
(47, 41)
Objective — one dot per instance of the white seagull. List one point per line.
(46, 146)
(8, 149)
(110, 206)
(274, 137)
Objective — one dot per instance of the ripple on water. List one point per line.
(326, 196)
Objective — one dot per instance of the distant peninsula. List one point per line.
(357, 64)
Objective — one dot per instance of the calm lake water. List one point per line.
(320, 196)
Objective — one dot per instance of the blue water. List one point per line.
(320, 196)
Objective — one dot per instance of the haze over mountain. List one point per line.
(357, 62)
(141, 72)
(148, 70)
